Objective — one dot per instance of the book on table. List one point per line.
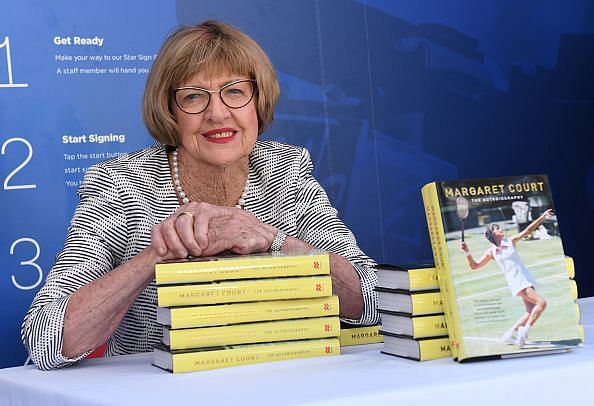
(244, 290)
(228, 356)
(227, 311)
(359, 335)
(433, 325)
(411, 303)
(411, 277)
(233, 313)
(249, 333)
(229, 267)
(419, 349)
(502, 270)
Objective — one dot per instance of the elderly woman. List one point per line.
(208, 186)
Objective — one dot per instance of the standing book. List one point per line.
(501, 266)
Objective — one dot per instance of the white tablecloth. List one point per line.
(361, 376)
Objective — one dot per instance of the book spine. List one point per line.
(249, 290)
(254, 354)
(427, 303)
(574, 289)
(423, 279)
(570, 266)
(434, 348)
(578, 312)
(322, 327)
(360, 335)
(441, 258)
(429, 326)
(202, 316)
(241, 268)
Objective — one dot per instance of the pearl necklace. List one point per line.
(180, 191)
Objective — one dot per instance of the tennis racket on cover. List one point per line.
(462, 212)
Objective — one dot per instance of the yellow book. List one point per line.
(413, 277)
(263, 265)
(492, 239)
(440, 256)
(414, 326)
(420, 349)
(574, 289)
(251, 333)
(244, 290)
(360, 335)
(570, 266)
(220, 357)
(233, 313)
(578, 312)
(412, 303)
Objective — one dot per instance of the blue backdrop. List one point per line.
(386, 95)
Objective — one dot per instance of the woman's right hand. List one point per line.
(463, 246)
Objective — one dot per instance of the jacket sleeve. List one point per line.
(90, 251)
(319, 225)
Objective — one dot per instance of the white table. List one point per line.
(361, 376)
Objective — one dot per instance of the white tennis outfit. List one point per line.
(516, 274)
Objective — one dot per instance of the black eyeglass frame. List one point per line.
(210, 92)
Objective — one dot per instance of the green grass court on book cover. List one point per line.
(489, 309)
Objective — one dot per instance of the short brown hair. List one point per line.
(211, 47)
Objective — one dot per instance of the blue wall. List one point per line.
(386, 95)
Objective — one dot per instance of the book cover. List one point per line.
(419, 349)
(413, 277)
(221, 357)
(251, 333)
(501, 267)
(244, 290)
(414, 326)
(411, 303)
(262, 265)
(233, 313)
(351, 335)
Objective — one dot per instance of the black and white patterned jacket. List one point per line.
(120, 201)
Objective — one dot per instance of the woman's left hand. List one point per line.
(211, 229)
(238, 231)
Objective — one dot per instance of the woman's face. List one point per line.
(219, 136)
(496, 230)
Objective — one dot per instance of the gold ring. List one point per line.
(189, 213)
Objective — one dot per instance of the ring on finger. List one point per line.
(186, 213)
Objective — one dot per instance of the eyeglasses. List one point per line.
(194, 100)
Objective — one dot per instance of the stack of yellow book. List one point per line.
(226, 311)
(411, 308)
